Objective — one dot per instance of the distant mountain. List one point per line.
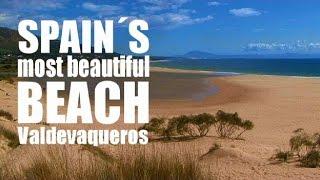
(206, 55)
(199, 54)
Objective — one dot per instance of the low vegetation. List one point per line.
(57, 165)
(227, 125)
(11, 136)
(97, 152)
(284, 156)
(158, 167)
(8, 68)
(305, 147)
(7, 115)
(230, 125)
(215, 147)
(311, 159)
(7, 78)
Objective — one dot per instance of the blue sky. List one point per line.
(179, 26)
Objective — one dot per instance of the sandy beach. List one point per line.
(277, 105)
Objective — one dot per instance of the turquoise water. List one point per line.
(285, 67)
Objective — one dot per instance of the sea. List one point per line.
(282, 67)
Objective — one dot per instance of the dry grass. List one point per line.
(88, 162)
(6, 115)
(11, 136)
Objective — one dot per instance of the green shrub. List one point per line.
(245, 126)
(203, 122)
(316, 139)
(182, 125)
(155, 125)
(191, 125)
(284, 156)
(228, 125)
(311, 159)
(305, 146)
(171, 129)
(301, 142)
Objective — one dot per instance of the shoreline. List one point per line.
(177, 70)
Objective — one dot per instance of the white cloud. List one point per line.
(286, 47)
(152, 9)
(32, 4)
(258, 29)
(214, 3)
(103, 9)
(245, 12)
(172, 20)
(314, 45)
(8, 20)
(159, 5)
(6, 17)
(164, 2)
(163, 14)
(48, 5)
(187, 11)
(11, 11)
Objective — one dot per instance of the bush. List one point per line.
(311, 159)
(182, 125)
(203, 122)
(284, 156)
(156, 125)
(245, 126)
(316, 141)
(191, 125)
(301, 142)
(305, 146)
(171, 129)
(228, 124)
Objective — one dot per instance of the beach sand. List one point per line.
(277, 106)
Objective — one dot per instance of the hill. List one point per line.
(9, 40)
(199, 54)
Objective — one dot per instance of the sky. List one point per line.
(180, 26)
